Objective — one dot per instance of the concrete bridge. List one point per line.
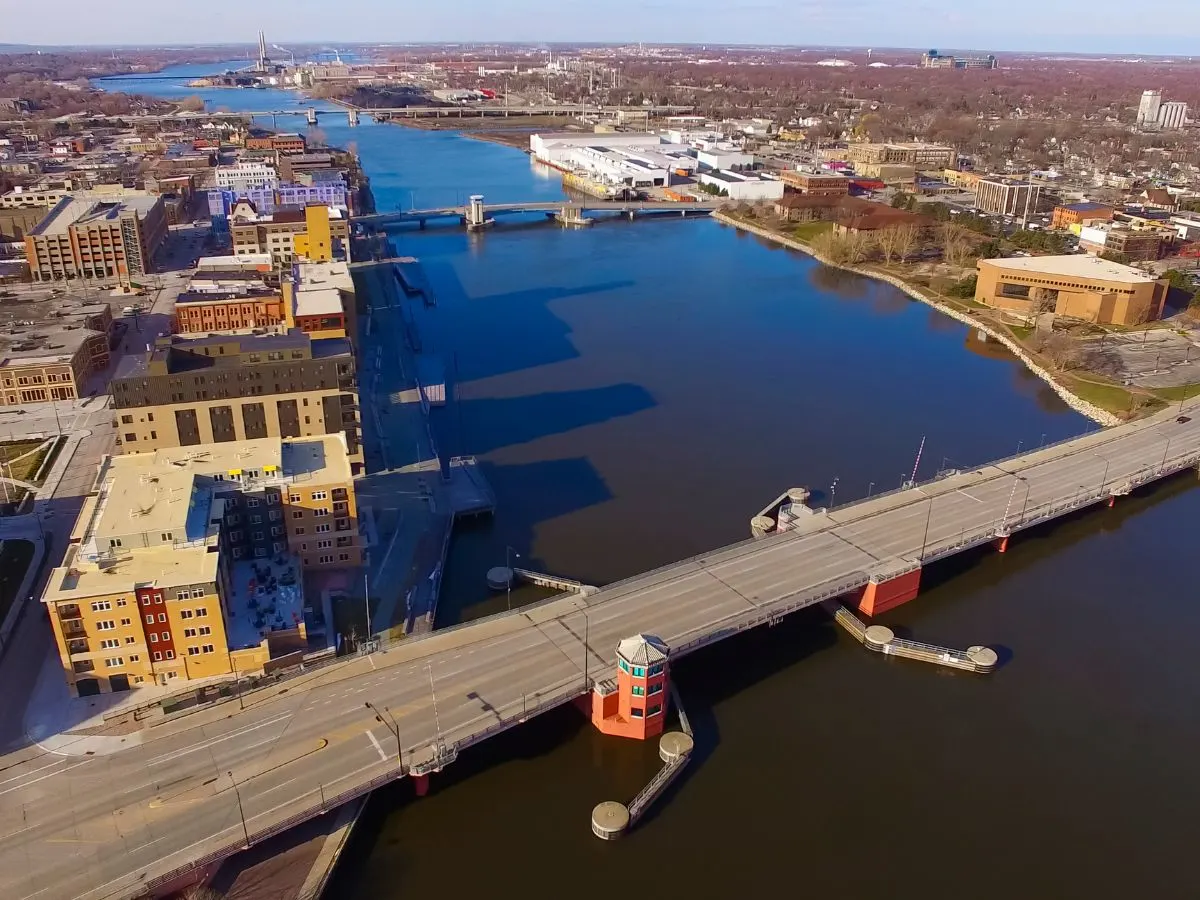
(477, 214)
(148, 817)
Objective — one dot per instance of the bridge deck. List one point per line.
(97, 827)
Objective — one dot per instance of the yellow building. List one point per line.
(187, 563)
(1076, 286)
(315, 243)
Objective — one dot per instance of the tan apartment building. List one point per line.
(221, 389)
(276, 233)
(919, 154)
(97, 235)
(40, 363)
(1133, 244)
(37, 196)
(164, 578)
(967, 181)
(1077, 286)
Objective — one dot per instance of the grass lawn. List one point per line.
(1111, 397)
(14, 561)
(810, 230)
(24, 469)
(1175, 394)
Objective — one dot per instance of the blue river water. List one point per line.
(637, 391)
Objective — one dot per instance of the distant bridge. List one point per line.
(477, 214)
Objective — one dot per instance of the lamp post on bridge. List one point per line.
(925, 538)
(1166, 450)
(241, 811)
(391, 725)
(508, 553)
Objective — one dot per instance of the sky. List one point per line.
(1083, 26)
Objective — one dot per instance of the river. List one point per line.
(637, 391)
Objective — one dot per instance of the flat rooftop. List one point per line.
(319, 302)
(85, 208)
(44, 346)
(1073, 266)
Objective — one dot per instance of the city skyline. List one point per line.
(1095, 27)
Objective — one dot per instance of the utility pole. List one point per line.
(437, 721)
(509, 574)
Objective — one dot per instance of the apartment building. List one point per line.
(1076, 286)
(163, 580)
(41, 196)
(243, 176)
(1133, 244)
(276, 233)
(922, 155)
(220, 389)
(97, 235)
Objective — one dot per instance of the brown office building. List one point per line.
(817, 185)
(222, 388)
(1080, 213)
(913, 153)
(43, 362)
(1078, 286)
(97, 235)
(201, 312)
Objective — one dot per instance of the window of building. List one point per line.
(639, 672)
(101, 605)
(170, 654)
(299, 531)
(135, 658)
(636, 713)
(293, 498)
(205, 630)
(256, 520)
(114, 661)
(130, 437)
(252, 503)
(201, 612)
(193, 651)
(343, 556)
(324, 545)
(154, 637)
(189, 632)
(297, 514)
(655, 689)
(656, 669)
(639, 691)
(322, 529)
(106, 625)
(654, 710)
(324, 560)
(127, 621)
(121, 602)
(109, 644)
(624, 665)
(320, 495)
(157, 656)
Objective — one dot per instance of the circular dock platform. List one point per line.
(499, 578)
(879, 635)
(985, 658)
(609, 820)
(674, 745)
(760, 526)
(799, 495)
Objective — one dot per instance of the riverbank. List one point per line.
(1072, 399)
(490, 129)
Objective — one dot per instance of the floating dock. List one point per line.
(467, 488)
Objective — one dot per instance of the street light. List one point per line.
(367, 605)
(870, 487)
(390, 725)
(508, 576)
(241, 812)
(833, 492)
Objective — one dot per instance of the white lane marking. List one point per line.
(17, 787)
(375, 742)
(175, 754)
(33, 772)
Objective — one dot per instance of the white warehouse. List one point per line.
(744, 185)
(555, 148)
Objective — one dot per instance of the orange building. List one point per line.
(634, 705)
(817, 185)
(201, 313)
(1079, 213)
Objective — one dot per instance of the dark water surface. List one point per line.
(638, 391)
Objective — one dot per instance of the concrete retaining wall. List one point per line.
(1076, 403)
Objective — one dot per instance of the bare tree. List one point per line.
(908, 237)
(957, 244)
(888, 241)
(1043, 300)
(1059, 350)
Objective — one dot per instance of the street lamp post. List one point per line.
(391, 725)
(870, 487)
(508, 554)
(437, 720)
(1166, 450)
(367, 604)
(241, 811)
(833, 492)
(925, 538)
